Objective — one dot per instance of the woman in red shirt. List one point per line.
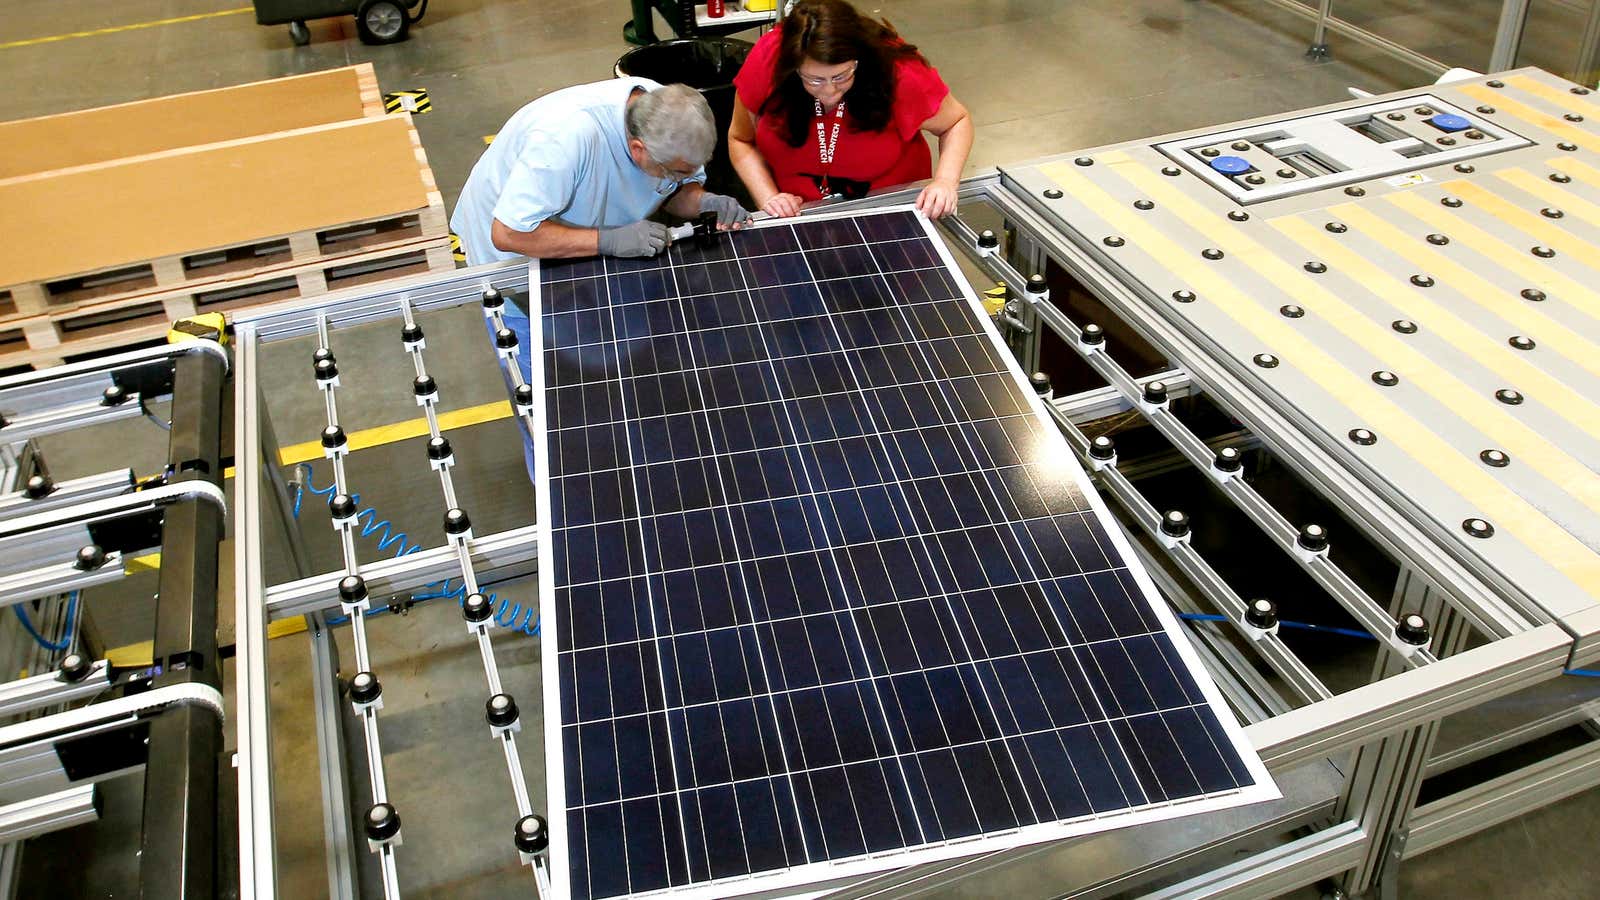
(834, 102)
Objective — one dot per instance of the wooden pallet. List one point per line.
(46, 340)
(91, 136)
(413, 212)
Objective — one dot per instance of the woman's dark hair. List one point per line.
(832, 32)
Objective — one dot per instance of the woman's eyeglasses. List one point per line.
(842, 78)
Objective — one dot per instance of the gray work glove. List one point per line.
(639, 239)
(729, 212)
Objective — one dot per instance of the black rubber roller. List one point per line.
(410, 334)
(333, 437)
(75, 667)
(1037, 284)
(1041, 383)
(1261, 613)
(1412, 629)
(476, 608)
(90, 557)
(493, 299)
(457, 522)
(320, 354)
(342, 506)
(439, 449)
(501, 711)
(505, 339)
(988, 240)
(1175, 523)
(1313, 537)
(533, 835)
(326, 369)
(382, 822)
(38, 487)
(352, 589)
(1155, 392)
(1092, 334)
(523, 395)
(1102, 448)
(365, 687)
(1228, 459)
(115, 395)
(424, 385)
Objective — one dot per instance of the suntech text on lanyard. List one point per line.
(826, 147)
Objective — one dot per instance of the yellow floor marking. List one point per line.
(1503, 506)
(138, 654)
(1562, 129)
(1521, 314)
(118, 28)
(1479, 408)
(1546, 231)
(1536, 272)
(1493, 352)
(400, 431)
(1561, 97)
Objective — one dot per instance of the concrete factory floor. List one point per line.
(1040, 77)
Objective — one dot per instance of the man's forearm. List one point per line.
(685, 204)
(550, 240)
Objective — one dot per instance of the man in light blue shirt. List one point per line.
(579, 172)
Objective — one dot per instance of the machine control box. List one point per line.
(1394, 136)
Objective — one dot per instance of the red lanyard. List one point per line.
(826, 147)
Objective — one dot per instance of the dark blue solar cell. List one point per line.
(647, 859)
(724, 838)
(759, 812)
(597, 751)
(786, 268)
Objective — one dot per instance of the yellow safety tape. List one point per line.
(150, 562)
(1528, 318)
(1536, 272)
(1493, 352)
(400, 431)
(1544, 230)
(1476, 406)
(1561, 97)
(118, 28)
(1562, 129)
(1503, 506)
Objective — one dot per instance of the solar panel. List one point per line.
(830, 593)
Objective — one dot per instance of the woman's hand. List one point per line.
(782, 206)
(938, 199)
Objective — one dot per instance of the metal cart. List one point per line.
(377, 21)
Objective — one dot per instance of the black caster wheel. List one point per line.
(299, 33)
(382, 22)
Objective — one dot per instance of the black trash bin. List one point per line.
(708, 65)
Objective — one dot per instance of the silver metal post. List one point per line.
(1508, 35)
(258, 857)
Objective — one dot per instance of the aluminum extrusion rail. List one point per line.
(501, 710)
(382, 821)
(1156, 410)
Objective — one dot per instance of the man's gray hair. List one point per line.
(674, 122)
